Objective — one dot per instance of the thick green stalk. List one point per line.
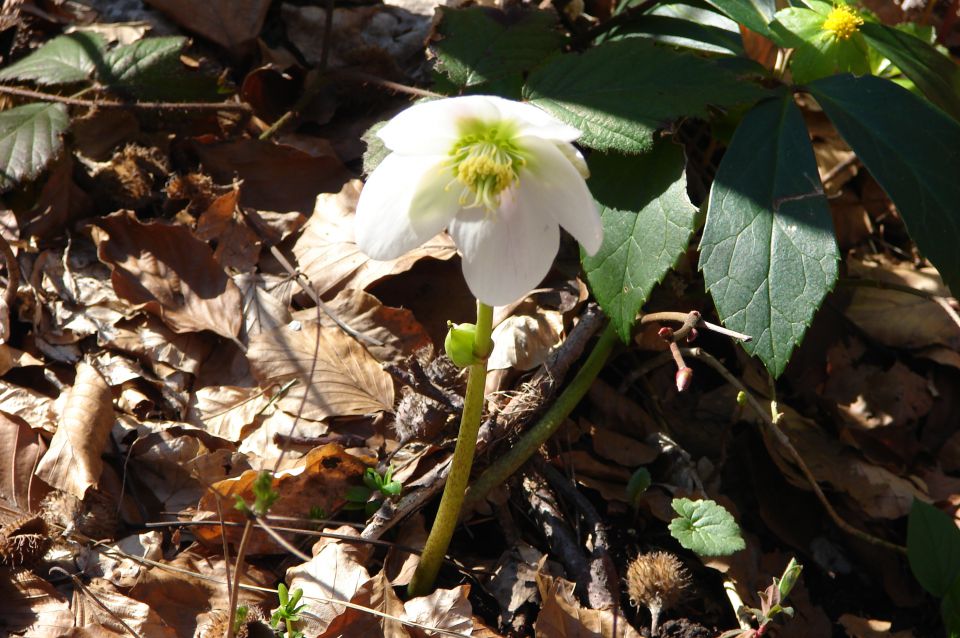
(452, 500)
(527, 446)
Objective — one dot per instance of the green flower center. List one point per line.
(484, 162)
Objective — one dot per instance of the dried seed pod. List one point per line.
(216, 625)
(657, 581)
(24, 542)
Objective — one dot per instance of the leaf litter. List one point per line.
(159, 355)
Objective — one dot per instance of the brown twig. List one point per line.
(416, 378)
(690, 320)
(112, 104)
(237, 574)
(367, 78)
(774, 428)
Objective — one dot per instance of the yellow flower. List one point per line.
(843, 22)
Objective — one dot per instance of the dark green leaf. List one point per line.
(818, 52)
(934, 73)
(684, 33)
(480, 45)
(30, 136)
(637, 485)
(647, 223)
(753, 14)
(705, 527)
(768, 252)
(619, 93)
(151, 69)
(64, 60)
(933, 548)
(950, 610)
(912, 149)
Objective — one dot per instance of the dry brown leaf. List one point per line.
(858, 627)
(399, 565)
(919, 321)
(396, 328)
(179, 597)
(448, 609)
(265, 445)
(329, 256)
(262, 311)
(621, 449)
(871, 397)
(276, 177)
(335, 572)
(514, 582)
(20, 449)
(375, 594)
(877, 490)
(136, 615)
(582, 462)
(152, 342)
(523, 341)
(73, 462)
(30, 606)
(346, 379)
(562, 616)
(169, 272)
(225, 411)
(110, 563)
(60, 202)
(229, 23)
(29, 405)
(318, 480)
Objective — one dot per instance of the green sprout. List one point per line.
(264, 496)
(288, 611)
(358, 496)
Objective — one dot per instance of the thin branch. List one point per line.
(111, 104)
(367, 78)
(785, 442)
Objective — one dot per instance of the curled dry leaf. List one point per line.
(335, 572)
(30, 606)
(346, 379)
(447, 609)
(562, 615)
(375, 594)
(73, 462)
(523, 341)
(170, 273)
(329, 256)
(319, 480)
(20, 449)
(135, 614)
(29, 405)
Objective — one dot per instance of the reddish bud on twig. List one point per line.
(665, 333)
(684, 378)
(692, 335)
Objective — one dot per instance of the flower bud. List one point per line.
(684, 378)
(459, 343)
(790, 575)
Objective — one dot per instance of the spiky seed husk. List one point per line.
(657, 581)
(24, 542)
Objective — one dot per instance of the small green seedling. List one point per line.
(264, 496)
(288, 611)
(358, 497)
(239, 618)
(771, 603)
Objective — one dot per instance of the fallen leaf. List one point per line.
(377, 595)
(399, 565)
(329, 256)
(169, 272)
(29, 405)
(30, 606)
(225, 411)
(562, 615)
(335, 572)
(100, 603)
(152, 342)
(229, 23)
(262, 311)
(447, 609)
(73, 462)
(318, 480)
(514, 582)
(522, 342)
(620, 448)
(116, 562)
(346, 380)
(858, 627)
(20, 449)
(276, 177)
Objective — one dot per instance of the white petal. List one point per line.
(403, 204)
(535, 121)
(433, 127)
(557, 189)
(506, 253)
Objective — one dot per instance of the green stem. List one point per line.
(527, 446)
(452, 499)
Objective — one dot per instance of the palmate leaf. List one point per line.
(64, 60)
(647, 223)
(619, 93)
(30, 137)
(912, 149)
(705, 527)
(768, 252)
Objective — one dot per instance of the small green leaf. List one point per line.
(647, 222)
(619, 93)
(480, 45)
(64, 60)
(637, 485)
(30, 137)
(818, 52)
(753, 14)
(933, 548)
(768, 252)
(934, 73)
(950, 610)
(898, 136)
(705, 527)
(357, 494)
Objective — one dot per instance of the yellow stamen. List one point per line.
(843, 22)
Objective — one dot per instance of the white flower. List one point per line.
(501, 176)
